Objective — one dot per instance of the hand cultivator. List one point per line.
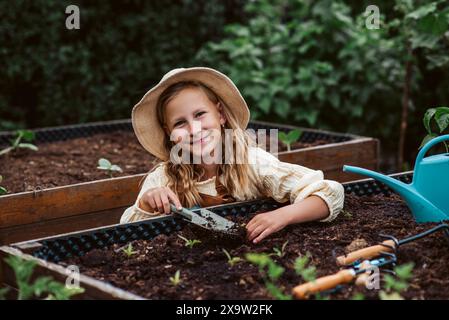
(360, 264)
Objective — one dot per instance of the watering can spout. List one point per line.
(396, 185)
(422, 208)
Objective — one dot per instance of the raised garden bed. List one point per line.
(69, 155)
(62, 193)
(370, 209)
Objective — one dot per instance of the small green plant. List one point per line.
(307, 272)
(105, 164)
(176, 279)
(303, 269)
(2, 189)
(358, 296)
(271, 272)
(231, 260)
(189, 243)
(23, 270)
(346, 214)
(129, 251)
(395, 285)
(17, 143)
(280, 252)
(290, 137)
(440, 116)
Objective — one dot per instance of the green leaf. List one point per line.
(427, 138)
(427, 117)
(437, 61)
(28, 135)
(3, 190)
(294, 135)
(276, 292)
(435, 24)
(404, 272)
(115, 167)
(275, 271)
(6, 150)
(442, 118)
(424, 40)
(104, 163)
(28, 146)
(265, 104)
(422, 11)
(282, 136)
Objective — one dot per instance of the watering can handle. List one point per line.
(429, 145)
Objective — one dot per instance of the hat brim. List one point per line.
(144, 118)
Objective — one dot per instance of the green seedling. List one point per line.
(23, 270)
(440, 116)
(176, 279)
(231, 260)
(358, 296)
(17, 143)
(346, 214)
(280, 252)
(189, 243)
(105, 164)
(271, 272)
(395, 285)
(2, 189)
(303, 269)
(307, 272)
(290, 137)
(129, 251)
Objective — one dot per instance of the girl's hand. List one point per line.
(158, 200)
(264, 224)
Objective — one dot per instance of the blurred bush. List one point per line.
(316, 63)
(52, 76)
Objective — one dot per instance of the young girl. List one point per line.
(189, 110)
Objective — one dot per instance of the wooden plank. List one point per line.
(31, 207)
(94, 289)
(331, 158)
(61, 225)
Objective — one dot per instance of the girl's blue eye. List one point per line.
(178, 123)
(200, 113)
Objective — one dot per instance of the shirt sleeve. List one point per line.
(154, 179)
(294, 183)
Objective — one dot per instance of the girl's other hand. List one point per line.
(264, 224)
(158, 200)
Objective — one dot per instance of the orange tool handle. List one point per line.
(322, 284)
(366, 253)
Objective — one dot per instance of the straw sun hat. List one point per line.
(144, 116)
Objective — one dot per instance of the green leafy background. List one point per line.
(304, 62)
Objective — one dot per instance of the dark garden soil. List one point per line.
(74, 161)
(205, 273)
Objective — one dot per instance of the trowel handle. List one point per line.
(183, 212)
(366, 253)
(429, 145)
(322, 284)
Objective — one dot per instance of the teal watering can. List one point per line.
(428, 194)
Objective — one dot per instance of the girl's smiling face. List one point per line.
(193, 120)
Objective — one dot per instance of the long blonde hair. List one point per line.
(239, 178)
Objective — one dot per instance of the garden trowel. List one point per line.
(206, 219)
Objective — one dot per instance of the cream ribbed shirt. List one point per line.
(286, 182)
